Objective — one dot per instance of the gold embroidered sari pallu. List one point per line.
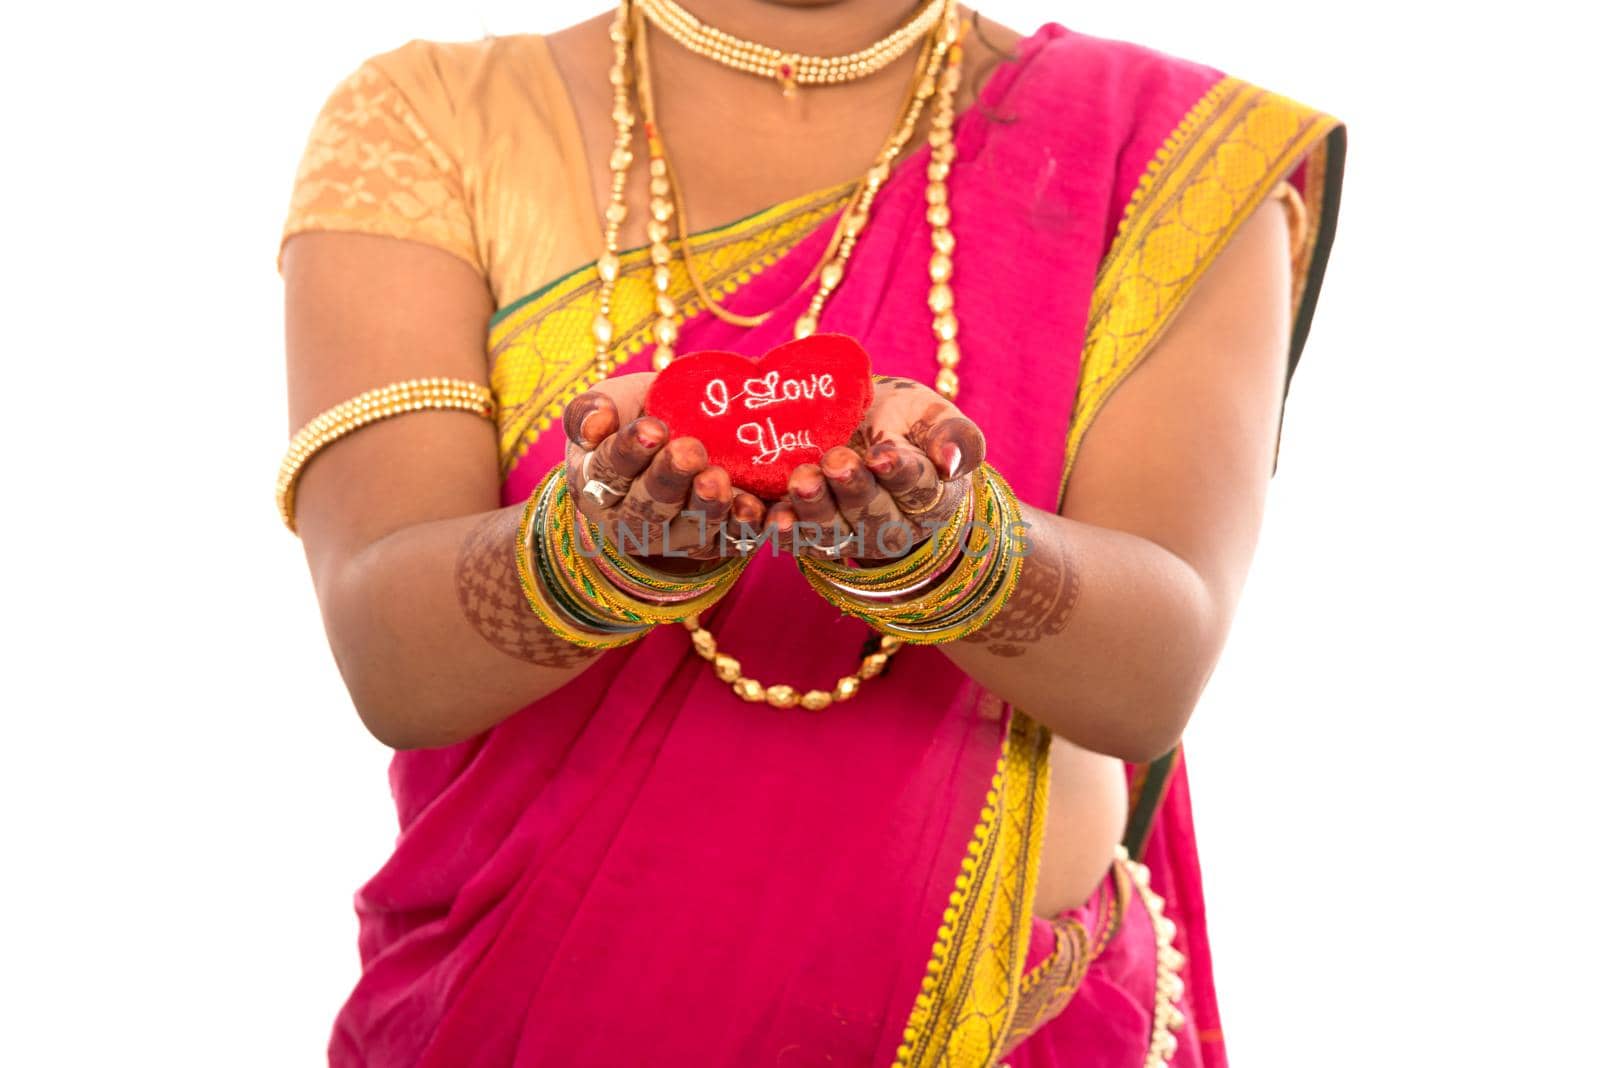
(857, 886)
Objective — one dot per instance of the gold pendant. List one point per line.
(788, 67)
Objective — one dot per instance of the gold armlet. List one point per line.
(412, 395)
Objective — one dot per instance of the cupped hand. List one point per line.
(902, 476)
(651, 494)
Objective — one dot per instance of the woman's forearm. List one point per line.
(1108, 639)
(432, 633)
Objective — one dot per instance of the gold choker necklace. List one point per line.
(788, 69)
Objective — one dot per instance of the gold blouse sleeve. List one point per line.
(382, 159)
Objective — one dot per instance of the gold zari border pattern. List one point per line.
(963, 1012)
(541, 352)
(1213, 170)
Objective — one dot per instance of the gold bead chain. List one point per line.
(664, 181)
(781, 695)
(788, 69)
(941, 262)
(938, 77)
(853, 220)
(609, 265)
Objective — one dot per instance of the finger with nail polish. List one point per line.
(747, 518)
(955, 443)
(820, 524)
(589, 419)
(697, 530)
(604, 477)
(866, 507)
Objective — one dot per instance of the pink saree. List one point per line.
(643, 869)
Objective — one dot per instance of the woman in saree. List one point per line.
(795, 830)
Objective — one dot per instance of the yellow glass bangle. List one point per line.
(411, 395)
(647, 577)
(542, 600)
(968, 576)
(979, 610)
(556, 538)
(604, 595)
(836, 584)
(971, 595)
(562, 580)
(903, 573)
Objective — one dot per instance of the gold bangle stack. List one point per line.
(788, 69)
(411, 395)
(589, 593)
(976, 573)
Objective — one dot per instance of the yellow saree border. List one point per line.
(1220, 163)
(963, 1012)
(540, 350)
(1217, 165)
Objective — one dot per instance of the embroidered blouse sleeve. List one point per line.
(382, 160)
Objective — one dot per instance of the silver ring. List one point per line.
(593, 487)
(832, 552)
(742, 545)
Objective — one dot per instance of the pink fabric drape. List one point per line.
(641, 868)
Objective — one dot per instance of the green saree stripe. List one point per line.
(1142, 812)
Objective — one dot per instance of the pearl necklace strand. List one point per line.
(788, 69)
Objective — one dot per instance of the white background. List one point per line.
(1390, 764)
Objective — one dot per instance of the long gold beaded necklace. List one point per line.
(938, 78)
(656, 141)
(829, 265)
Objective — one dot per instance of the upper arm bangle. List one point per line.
(411, 395)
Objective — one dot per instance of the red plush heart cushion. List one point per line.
(760, 419)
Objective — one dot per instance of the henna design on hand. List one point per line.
(911, 478)
(658, 496)
(1040, 607)
(492, 600)
(917, 432)
(621, 457)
